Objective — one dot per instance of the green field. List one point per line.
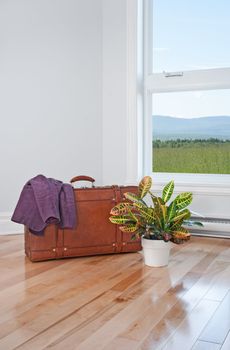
(210, 156)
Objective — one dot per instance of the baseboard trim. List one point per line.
(7, 227)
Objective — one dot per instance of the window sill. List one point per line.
(201, 184)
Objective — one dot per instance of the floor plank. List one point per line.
(202, 345)
(189, 330)
(226, 344)
(115, 301)
(219, 326)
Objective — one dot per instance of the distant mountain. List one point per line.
(166, 127)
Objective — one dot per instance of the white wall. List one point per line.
(114, 72)
(50, 92)
(121, 91)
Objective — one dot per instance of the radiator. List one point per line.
(213, 227)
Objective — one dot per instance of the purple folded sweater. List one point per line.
(44, 201)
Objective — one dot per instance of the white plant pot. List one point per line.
(156, 252)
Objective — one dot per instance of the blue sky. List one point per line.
(188, 35)
(191, 34)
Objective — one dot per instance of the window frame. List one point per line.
(205, 79)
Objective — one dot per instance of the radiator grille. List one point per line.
(213, 227)
(214, 220)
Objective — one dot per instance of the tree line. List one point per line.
(188, 142)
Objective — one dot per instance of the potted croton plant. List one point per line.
(157, 224)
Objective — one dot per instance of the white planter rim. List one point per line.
(156, 242)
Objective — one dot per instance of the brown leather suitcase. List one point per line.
(94, 233)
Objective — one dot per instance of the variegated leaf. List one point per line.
(129, 228)
(120, 219)
(147, 213)
(140, 205)
(133, 216)
(162, 207)
(171, 211)
(137, 234)
(144, 186)
(193, 223)
(183, 200)
(132, 197)
(168, 191)
(121, 208)
(184, 214)
(179, 228)
(158, 221)
(181, 234)
(153, 197)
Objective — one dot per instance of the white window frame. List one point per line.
(208, 79)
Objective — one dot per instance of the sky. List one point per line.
(192, 104)
(188, 35)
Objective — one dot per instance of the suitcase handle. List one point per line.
(83, 178)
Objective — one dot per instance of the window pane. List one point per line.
(191, 132)
(190, 35)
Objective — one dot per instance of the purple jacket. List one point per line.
(44, 201)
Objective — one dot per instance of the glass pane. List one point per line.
(190, 35)
(191, 132)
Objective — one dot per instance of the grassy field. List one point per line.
(192, 156)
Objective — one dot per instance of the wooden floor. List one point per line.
(115, 301)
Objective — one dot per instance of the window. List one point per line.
(191, 132)
(187, 89)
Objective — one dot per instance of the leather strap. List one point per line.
(82, 178)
